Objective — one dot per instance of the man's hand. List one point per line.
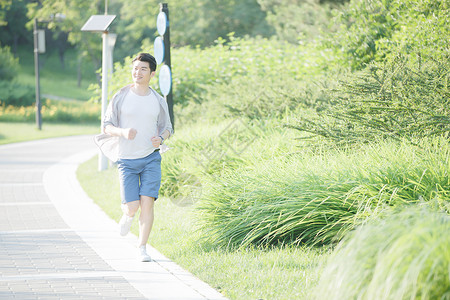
(129, 133)
(156, 141)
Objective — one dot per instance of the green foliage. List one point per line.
(204, 75)
(315, 198)
(255, 78)
(401, 98)
(202, 22)
(75, 13)
(13, 30)
(16, 94)
(362, 24)
(297, 21)
(4, 4)
(209, 148)
(402, 256)
(192, 23)
(198, 70)
(8, 64)
(425, 29)
(402, 90)
(267, 97)
(375, 30)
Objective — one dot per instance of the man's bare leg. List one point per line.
(146, 219)
(130, 208)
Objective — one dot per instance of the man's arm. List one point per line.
(157, 141)
(166, 134)
(128, 133)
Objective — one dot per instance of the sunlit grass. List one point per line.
(19, 132)
(401, 256)
(316, 198)
(54, 79)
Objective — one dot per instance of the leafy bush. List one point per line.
(373, 30)
(12, 93)
(16, 94)
(8, 64)
(196, 71)
(315, 197)
(297, 21)
(264, 97)
(422, 34)
(402, 256)
(402, 98)
(362, 25)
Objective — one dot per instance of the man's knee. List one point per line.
(131, 208)
(147, 201)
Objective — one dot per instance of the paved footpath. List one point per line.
(55, 243)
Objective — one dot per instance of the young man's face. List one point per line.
(141, 72)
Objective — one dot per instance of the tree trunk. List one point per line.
(62, 47)
(15, 43)
(79, 75)
(61, 58)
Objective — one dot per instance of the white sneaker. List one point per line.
(125, 224)
(143, 256)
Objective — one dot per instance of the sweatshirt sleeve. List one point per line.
(111, 117)
(164, 122)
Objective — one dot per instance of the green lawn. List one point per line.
(52, 72)
(54, 80)
(19, 132)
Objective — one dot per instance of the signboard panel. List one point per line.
(161, 23)
(158, 47)
(165, 80)
(41, 40)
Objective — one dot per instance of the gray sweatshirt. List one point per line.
(109, 144)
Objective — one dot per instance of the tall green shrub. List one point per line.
(423, 33)
(315, 197)
(16, 94)
(8, 64)
(402, 98)
(372, 30)
(362, 23)
(228, 65)
(402, 256)
(11, 92)
(297, 21)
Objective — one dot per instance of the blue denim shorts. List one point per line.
(141, 176)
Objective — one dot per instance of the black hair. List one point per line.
(148, 58)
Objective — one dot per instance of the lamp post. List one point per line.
(101, 23)
(112, 37)
(39, 47)
(162, 54)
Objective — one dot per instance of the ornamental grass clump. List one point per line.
(273, 206)
(402, 256)
(315, 197)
